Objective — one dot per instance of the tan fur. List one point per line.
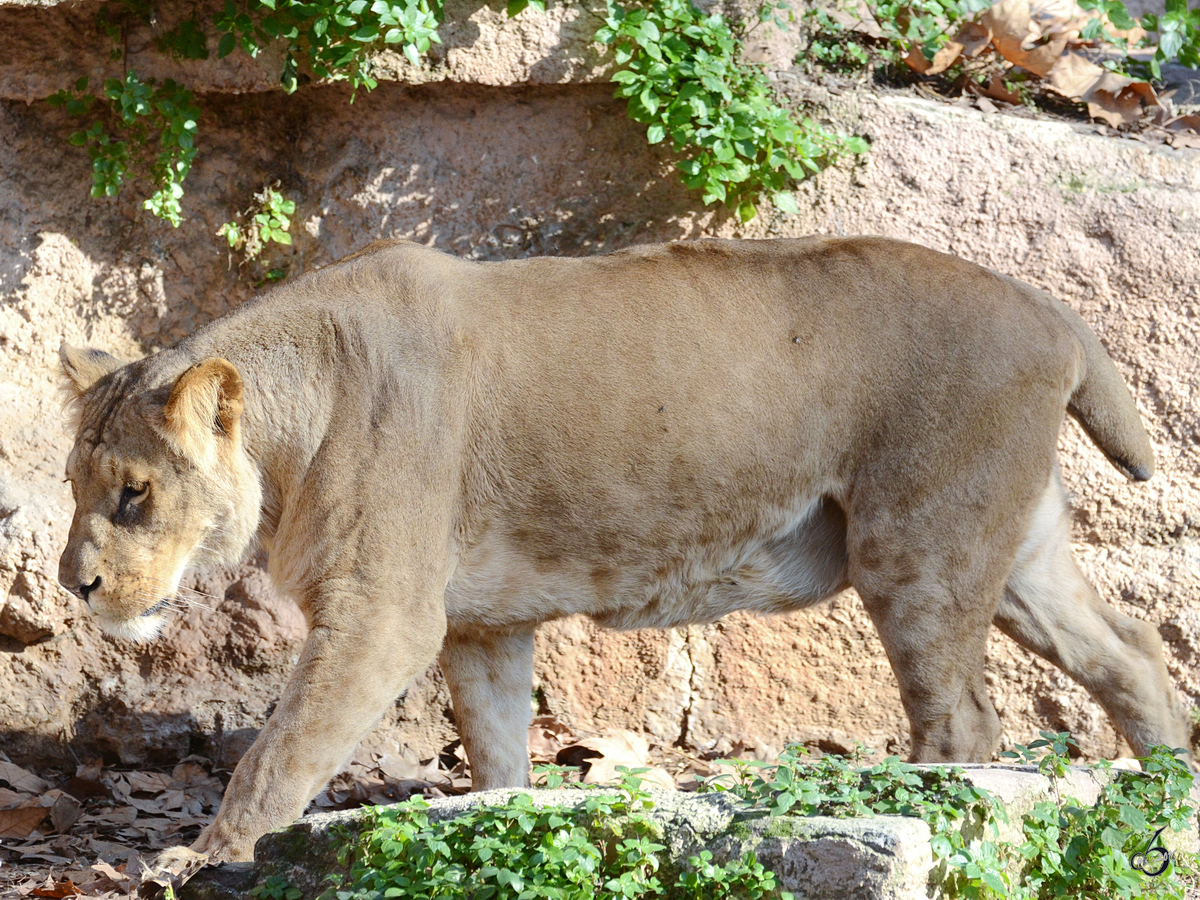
(439, 455)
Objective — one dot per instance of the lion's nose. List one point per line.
(83, 590)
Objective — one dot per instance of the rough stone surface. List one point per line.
(818, 858)
(1111, 226)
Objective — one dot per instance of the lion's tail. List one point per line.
(1104, 407)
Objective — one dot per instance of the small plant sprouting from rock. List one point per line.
(267, 221)
(682, 75)
(332, 40)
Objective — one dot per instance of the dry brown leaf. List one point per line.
(547, 736)
(118, 876)
(57, 890)
(121, 815)
(407, 766)
(20, 821)
(1040, 60)
(916, 61)
(12, 798)
(975, 37)
(1074, 76)
(65, 812)
(21, 779)
(996, 90)
(944, 58)
(1184, 139)
(1184, 124)
(1117, 99)
(622, 748)
(1011, 26)
(149, 782)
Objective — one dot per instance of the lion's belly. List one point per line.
(501, 582)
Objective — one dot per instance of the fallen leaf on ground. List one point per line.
(148, 782)
(116, 876)
(996, 90)
(1012, 28)
(1117, 99)
(65, 812)
(974, 37)
(1184, 123)
(21, 779)
(916, 61)
(547, 736)
(944, 58)
(20, 821)
(619, 748)
(12, 798)
(58, 890)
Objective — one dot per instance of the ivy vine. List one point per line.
(680, 70)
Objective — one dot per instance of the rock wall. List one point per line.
(490, 159)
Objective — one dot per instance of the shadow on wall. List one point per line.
(119, 735)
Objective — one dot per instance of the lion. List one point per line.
(438, 455)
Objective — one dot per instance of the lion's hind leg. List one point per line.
(931, 603)
(1049, 607)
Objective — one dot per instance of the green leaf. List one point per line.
(785, 201)
(655, 133)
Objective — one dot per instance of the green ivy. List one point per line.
(605, 846)
(962, 818)
(141, 110)
(1178, 30)
(332, 38)
(682, 75)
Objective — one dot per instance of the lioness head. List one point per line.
(160, 479)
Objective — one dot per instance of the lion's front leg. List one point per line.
(490, 674)
(344, 681)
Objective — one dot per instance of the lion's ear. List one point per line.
(84, 366)
(205, 407)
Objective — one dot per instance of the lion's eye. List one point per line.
(131, 496)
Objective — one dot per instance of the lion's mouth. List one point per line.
(158, 607)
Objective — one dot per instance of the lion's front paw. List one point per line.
(169, 870)
(179, 859)
(220, 845)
